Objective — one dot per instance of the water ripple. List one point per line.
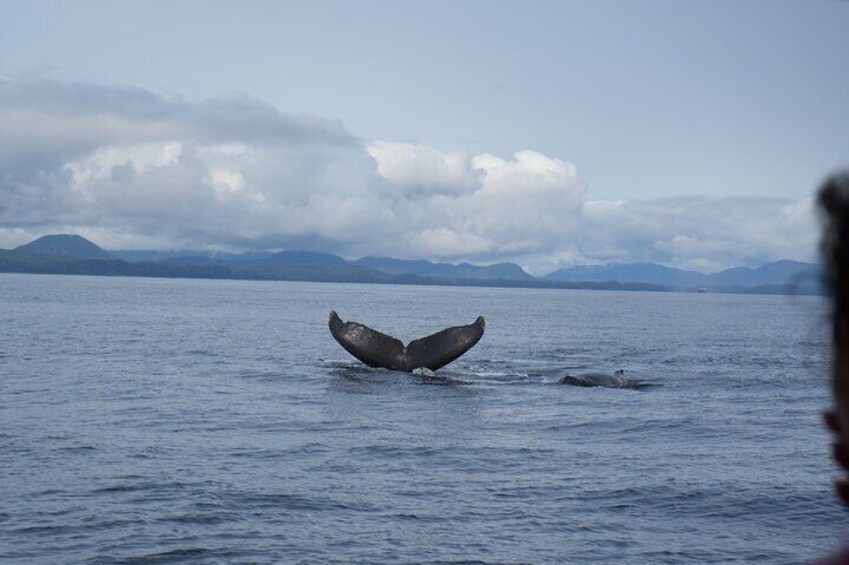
(217, 421)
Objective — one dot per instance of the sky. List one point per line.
(689, 133)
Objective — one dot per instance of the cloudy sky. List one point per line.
(690, 133)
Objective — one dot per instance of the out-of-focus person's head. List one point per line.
(834, 206)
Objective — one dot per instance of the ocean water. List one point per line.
(191, 421)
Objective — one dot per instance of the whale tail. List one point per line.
(377, 349)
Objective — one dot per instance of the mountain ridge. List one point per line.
(784, 271)
(425, 268)
(65, 245)
(65, 253)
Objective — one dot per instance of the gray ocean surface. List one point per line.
(193, 421)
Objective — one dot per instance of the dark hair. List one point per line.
(834, 202)
(834, 205)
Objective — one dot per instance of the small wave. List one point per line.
(430, 378)
(655, 424)
(289, 501)
(274, 454)
(171, 556)
(262, 376)
(490, 374)
(340, 364)
(501, 380)
(55, 530)
(392, 451)
(47, 529)
(466, 562)
(50, 492)
(76, 448)
(144, 486)
(202, 519)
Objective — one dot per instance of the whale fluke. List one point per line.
(377, 349)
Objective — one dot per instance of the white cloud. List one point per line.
(418, 168)
(701, 233)
(132, 168)
(457, 206)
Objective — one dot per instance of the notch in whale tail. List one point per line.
(377, 349)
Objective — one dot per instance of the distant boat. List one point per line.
(701, 289)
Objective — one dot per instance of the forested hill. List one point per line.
(72, 254)
(790, 273)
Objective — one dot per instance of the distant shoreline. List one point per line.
(413, 280)
(66, 254)
(156, 270)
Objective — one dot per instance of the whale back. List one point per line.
(604, 380)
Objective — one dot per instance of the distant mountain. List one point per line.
(194, 260)
(503, 271)
(254, 258)
(779, 273)
(67, 246)
(499, 271)
(184, 255)
(310, 258)
(397, 266)
(628, 272)
(71, 254)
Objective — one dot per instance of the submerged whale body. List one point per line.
(606, 380)
(376, 349)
